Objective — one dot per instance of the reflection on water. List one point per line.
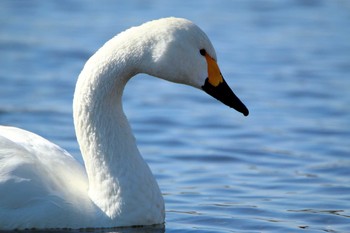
(284, 168)
(139, 229)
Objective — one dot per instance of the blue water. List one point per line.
(284, 168)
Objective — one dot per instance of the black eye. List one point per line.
(202, 52)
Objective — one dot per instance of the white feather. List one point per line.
(42, 186)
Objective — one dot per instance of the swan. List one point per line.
(42, 186)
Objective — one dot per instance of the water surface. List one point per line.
(284, 168)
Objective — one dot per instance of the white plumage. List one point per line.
(42, 186)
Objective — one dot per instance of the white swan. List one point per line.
(42, 186)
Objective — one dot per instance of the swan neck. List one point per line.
(108, 147)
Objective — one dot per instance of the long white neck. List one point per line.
(120, 182)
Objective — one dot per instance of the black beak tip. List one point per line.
(239, 106)
(245, 112)
(223, 93)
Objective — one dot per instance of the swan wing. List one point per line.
(38, 181)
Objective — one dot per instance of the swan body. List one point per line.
(42, 186)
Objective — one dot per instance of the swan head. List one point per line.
(182, 53)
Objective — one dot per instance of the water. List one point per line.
(284, 168)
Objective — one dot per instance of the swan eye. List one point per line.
(203, 52)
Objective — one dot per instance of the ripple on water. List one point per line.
(284, 168)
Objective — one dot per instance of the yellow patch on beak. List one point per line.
(214, 74)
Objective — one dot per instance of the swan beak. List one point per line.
(216, 86)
